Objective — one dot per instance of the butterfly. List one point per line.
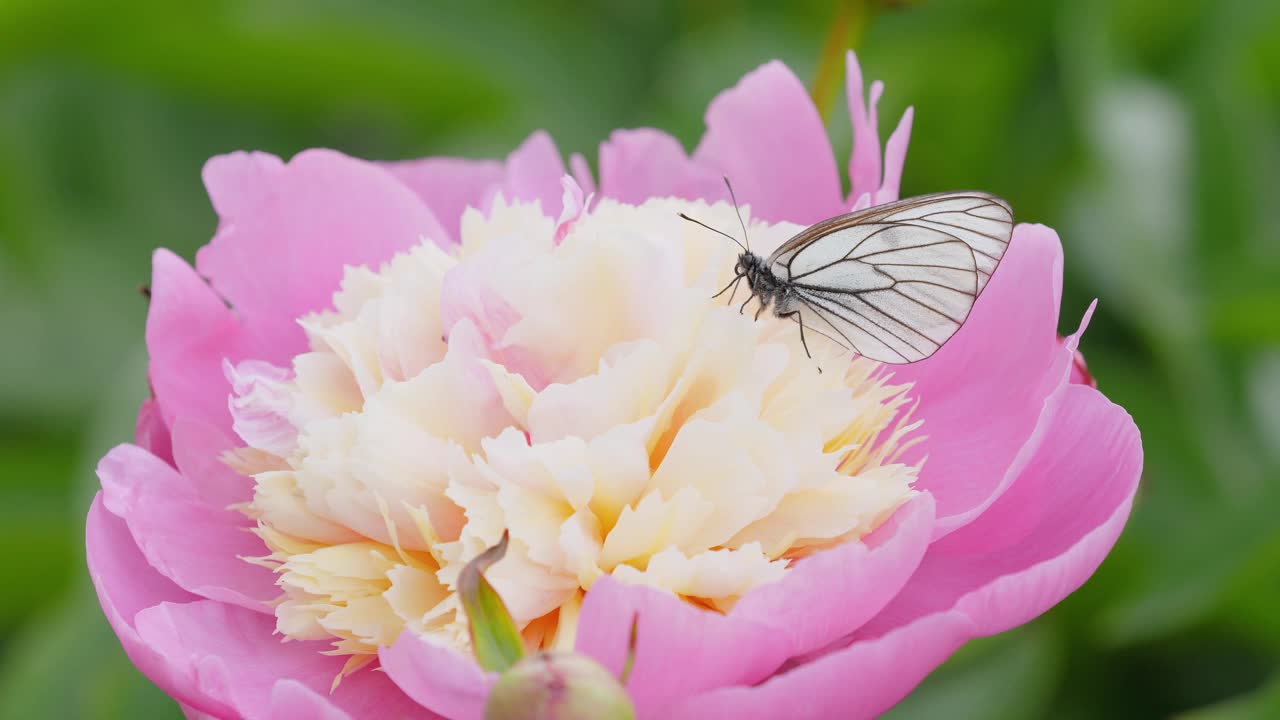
(891, 283)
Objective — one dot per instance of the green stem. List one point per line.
(847, 27)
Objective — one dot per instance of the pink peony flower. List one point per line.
(374, 370)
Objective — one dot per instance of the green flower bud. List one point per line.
(558, 686)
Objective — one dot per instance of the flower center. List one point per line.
(577, 387)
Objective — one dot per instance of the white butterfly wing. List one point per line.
(896, 281)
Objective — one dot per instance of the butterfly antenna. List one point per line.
(720, 232)
(739, 212)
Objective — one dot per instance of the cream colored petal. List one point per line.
(580, 545)
(355, 344)
(619, 460)
(516, 393)
(714, 574)
(558, 470)
(325, 388)
(408, 323)
(455, 398)
(527, 588)
(652, 525)
(606, 293)
(279, 503)
(300, 619)
(843, 507)
(367, 619)
(414, 595)
(629, 388)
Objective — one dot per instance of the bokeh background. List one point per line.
(1146, 131)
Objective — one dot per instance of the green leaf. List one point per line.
(494, 636)
(1261, 703)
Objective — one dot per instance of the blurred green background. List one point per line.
(1146, 131)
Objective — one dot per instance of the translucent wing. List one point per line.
(896, 281)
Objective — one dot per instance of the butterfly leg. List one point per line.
(803, 343)
(732, 284)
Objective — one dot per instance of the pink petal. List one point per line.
(259, 404)
(239, 179)
(472, 291)
(636, 165)
(216, 659)
(438, 678)
(468, 293)
(286, 231)
(533, 173)
(150, 432)
(126, 585)
(572, 206)
(766, 135)
(198, 449)
(221, 656)
(196, 545)
(189, 332)
(1080, 369)
(864, 164)
(829, 595)
(449, 185)
(191, 713)
(1086, 478)
(681, 650)
(1005, 360)
(581, 172)
(895, 156)
(1068, 506)
(292, 700)
(861, 681)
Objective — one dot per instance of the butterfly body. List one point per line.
(764, 285)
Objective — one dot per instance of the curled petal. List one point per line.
(225, 656)
(680, 650)
(438, 678)
(259, 404)
(126, 585)
(216, 658)
(573, 206)
(197, 546)
(831, 593)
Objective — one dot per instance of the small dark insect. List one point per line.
(891, 283)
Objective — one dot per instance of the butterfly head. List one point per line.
(759, 277)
